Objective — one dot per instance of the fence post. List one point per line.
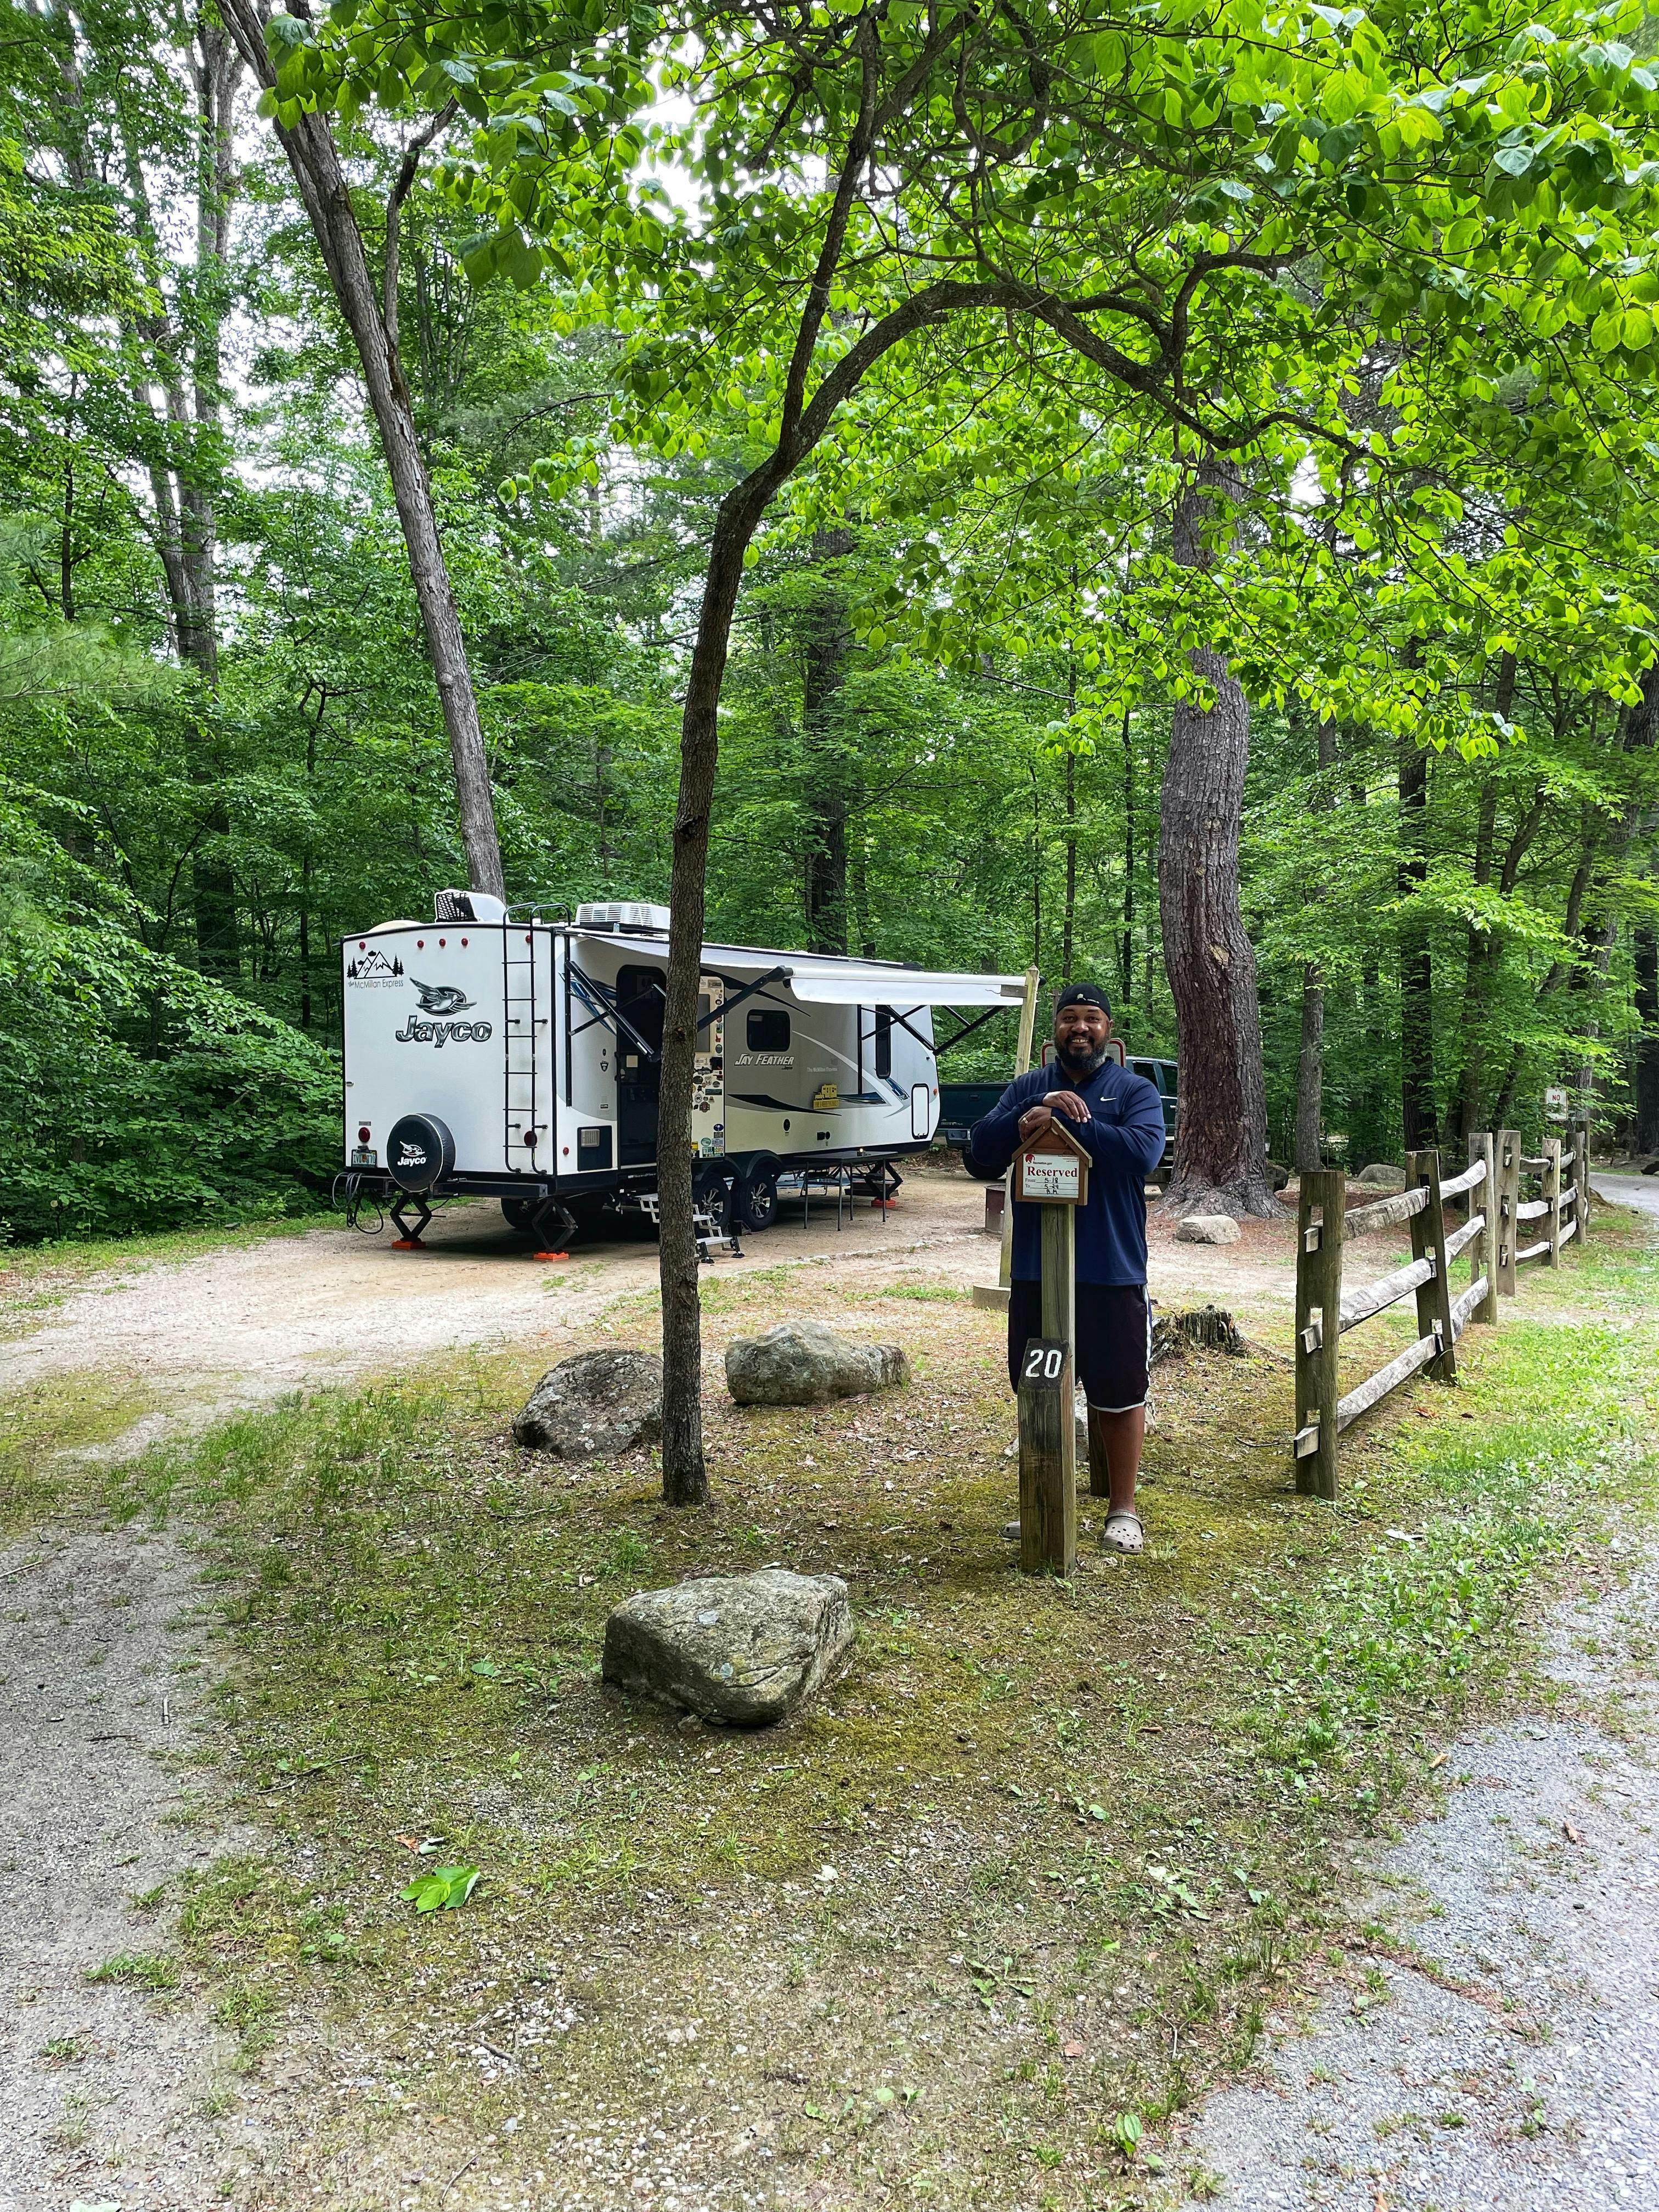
(1483, 1252)
(1321, 1212)
(1509, 1197)
(1580, 1176)
(1047, 1416)
(1428, 1242)
(1552, 1198)
(1022, 1061)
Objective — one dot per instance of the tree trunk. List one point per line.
(826, 639)
(1642, 732)
(1311, 1063)
(1417, 1114)
(315, 161)
(1559, 970)
(684, 1473)
(1221, 1129)
(1310, 1071)
(1126, 947)
(1645, 1131)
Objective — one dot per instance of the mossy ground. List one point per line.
(1042, 1860)
(46, 1428)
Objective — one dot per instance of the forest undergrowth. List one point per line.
(1034, 1875)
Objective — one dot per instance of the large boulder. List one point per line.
(1207, 1228)
(599, 1401)
(802, 1362)
(1381, 1175)
(743, 1649)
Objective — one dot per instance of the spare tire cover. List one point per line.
(420, 1151)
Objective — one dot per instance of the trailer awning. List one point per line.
(828, 981)
(903, 986)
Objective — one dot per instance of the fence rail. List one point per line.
(1490, 1187)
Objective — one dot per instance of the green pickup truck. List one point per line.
(961, 1104)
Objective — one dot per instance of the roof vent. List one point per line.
(628, 916)
(468, 906)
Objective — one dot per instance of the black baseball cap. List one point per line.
(1083, 995)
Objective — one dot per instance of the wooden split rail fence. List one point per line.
(1497, 1218)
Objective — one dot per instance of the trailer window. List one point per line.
(769, 1029)
(884, 1040)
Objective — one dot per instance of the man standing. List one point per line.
(1119, 1118)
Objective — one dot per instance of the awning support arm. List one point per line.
(748, 990)
(926, 1043)
(989, 1015)
(602, 1008)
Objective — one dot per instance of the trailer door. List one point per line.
(640, 1002)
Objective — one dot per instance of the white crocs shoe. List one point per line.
(1124, 1533)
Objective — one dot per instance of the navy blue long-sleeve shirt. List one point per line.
(1124, 1138)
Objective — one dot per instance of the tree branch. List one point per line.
(394, 207)
(859, 144)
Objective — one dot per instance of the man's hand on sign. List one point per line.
(1036, 1119)
(1068, 1103)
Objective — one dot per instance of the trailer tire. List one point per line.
(420, 1153)
(755, 1199)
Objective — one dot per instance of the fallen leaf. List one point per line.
(1573, 1835)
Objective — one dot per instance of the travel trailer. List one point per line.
(519, 1059)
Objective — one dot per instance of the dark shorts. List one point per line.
(1113, 1340)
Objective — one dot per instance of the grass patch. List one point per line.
(138, 1970)
(44, 1426)
(1040, 1865)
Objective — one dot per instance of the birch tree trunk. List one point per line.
(1221, 1129)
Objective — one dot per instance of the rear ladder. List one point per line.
(521, 1085)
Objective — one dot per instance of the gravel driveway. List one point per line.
(1640, 1191)
(1504, 2054)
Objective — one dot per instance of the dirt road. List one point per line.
(249, 1320)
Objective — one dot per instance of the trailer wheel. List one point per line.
(755, 1198)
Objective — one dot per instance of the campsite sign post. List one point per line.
(1052, 1171)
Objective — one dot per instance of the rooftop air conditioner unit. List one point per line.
(630, 916)
(468, 906)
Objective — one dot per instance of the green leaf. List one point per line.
(445, 1888)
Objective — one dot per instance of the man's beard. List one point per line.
(1081, 1058)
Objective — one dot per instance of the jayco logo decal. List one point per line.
(415, 1031)
(441, 999)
